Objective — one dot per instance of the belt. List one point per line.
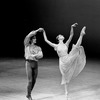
(29, 60)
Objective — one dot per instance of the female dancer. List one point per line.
(32, 54)
(72, 63)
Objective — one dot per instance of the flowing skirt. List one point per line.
(72, 64)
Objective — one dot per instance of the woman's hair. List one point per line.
(59, 36)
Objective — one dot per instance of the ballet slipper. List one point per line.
(83, 30)
(66, 95)
(29, 97)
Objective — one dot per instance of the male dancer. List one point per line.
(32, 54)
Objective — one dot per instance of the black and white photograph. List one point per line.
(50, 50)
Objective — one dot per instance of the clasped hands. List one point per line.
(40, 30)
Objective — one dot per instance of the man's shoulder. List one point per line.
(38, 47)
(27, 46)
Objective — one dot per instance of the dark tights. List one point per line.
(32, 71)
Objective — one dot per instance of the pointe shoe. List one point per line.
(66, 95)
(83, 30)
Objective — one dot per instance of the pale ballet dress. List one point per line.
(72, 63)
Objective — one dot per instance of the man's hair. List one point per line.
(31, 40)
(34, 37)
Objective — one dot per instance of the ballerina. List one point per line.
(72, 63)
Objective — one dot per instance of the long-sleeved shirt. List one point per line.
(33, 52)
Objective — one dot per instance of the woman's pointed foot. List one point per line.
(66, 94)
(83, 30)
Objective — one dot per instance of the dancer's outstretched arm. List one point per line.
(71, 34)
(46, 40)
(81, 36)
(27, 38)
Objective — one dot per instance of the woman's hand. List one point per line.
(72, 31)
(74, 25)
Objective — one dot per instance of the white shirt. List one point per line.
(33, 52)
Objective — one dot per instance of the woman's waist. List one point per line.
(63, 55)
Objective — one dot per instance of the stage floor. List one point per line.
(13, 81)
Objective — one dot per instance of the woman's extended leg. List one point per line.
(81, 36)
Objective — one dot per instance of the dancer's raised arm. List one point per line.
(71, 34)
(46, 40)
(27, 38)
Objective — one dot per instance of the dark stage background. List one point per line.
(19, 17)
